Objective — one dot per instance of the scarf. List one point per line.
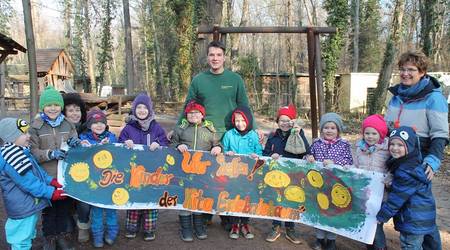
(330, 142)
(53, 123)
(145, 123)
(366, 147)
(15, 156)
(408, 92)
(101, 136)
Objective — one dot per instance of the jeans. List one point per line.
(287, 224)
(322, 234)
(57, 218)
(83, 211)
(236, 220)
(380, 238)
(97, 219)
(20, 232)
(431, 241)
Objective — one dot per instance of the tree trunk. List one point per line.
(291, 54)
(235, 38)
(356, 36)
(128, 48)
(67, 26)
(389, 56)
(427, 20)
(160, 90)
(89, 47)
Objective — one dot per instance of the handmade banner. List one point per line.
(331, 198)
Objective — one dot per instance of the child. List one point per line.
(371, 154)
(142, 128)
(196, 134)
(26, 187)
(241, 139)
(410, 200)
(275, 148)
(330, 148)
(48, 131)
(98, 134)
(75, 112)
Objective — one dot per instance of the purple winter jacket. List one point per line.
(155, 133)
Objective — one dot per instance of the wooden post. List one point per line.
(128, 48)
(319, 77)
(31, 58)
(312, 81)
(2, 90)
(120, 105)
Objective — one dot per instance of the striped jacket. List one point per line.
(427, 111)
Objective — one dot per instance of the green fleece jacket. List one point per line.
(196, 137)
(220, 94)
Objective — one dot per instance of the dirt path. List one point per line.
(167, 236)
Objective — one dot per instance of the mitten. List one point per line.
(57, 154)
(58, 195)
(73, 142)
(55, 183)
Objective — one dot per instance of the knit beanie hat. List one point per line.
(332, 117)
(12, 128)
(75, 99)
(193, 105)
(289, 111)
(378, 123)
(407, 135)
(143, 98)
(246, 113)
(95, 116)
(50, 96)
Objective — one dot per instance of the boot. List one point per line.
(111, 234)
(83, 231)
(331, 245)
(97, 239)
(199, 227)
(186, 228)
(319, 244)
(50, 242)
(64, 242)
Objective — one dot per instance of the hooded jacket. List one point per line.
(155, 133)
(424, 107)
(24, 194)
(242, 142)
(410, 200)
(195, 136)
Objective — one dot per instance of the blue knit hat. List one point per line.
(143, 98)
(407, 135)
(332, 117)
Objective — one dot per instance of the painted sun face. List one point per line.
(323, 201)
(170, 160)
(79, 171)
(315, 178)
(120, 196)
(340, 196)
(102, 159)
(295, 193)
(277, 179)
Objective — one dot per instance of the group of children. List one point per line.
(28, 189)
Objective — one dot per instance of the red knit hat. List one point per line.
(193, 105)
(378, 123)
(289, 111)
(94, 116)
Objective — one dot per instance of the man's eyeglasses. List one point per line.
(407, 70)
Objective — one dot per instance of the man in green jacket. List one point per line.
(219, 90)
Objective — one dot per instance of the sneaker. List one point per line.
(319, 244)
(234, 232)
(109, 241)
(245, 230)
(292, 236)
(149, 236)
(130, 235)
(274, 234)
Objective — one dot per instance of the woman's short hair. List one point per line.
(417, 58)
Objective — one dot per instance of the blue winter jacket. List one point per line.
(90, 137)
(27, 194)
(424, 107)
(277, 142)
(241, 144)
(410, 200)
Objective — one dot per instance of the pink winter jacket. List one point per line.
(375, 161)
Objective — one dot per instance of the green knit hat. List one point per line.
(50, 96)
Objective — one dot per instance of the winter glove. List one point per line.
(55, 183)
(58, 195)
(73, 142)
(57, 154)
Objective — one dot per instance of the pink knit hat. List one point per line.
(378, 123)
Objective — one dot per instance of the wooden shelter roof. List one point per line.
(45, 58)
(9, 46)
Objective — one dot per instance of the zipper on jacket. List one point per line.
(195, 137)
